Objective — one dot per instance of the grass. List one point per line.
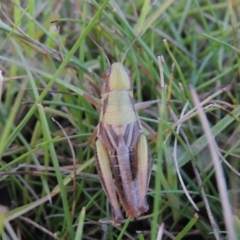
(49, 187)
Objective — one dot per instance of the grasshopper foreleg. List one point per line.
(144, 105)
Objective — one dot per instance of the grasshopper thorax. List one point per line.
(116, 78)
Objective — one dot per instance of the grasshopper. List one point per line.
(122, 153)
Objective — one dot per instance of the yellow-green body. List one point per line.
(122, 152)
(119, 110)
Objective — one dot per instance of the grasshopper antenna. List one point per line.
(101, 48)
(125, 54)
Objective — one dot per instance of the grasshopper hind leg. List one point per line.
(106, 178)
(143, 172)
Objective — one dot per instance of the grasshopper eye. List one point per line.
(106, 74)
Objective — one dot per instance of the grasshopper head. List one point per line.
(116, 78)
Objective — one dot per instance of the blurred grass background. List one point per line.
(48, 61)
